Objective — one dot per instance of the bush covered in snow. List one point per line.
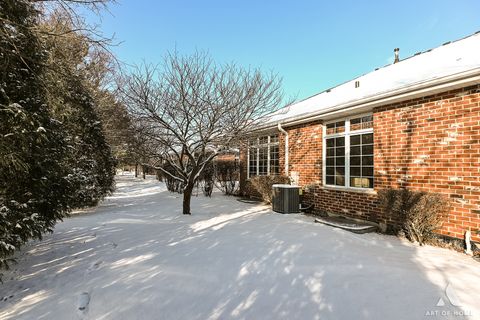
(420, 213)
(263, 185)
(33, 191)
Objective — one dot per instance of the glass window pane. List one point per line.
(367, 138)
(367, 171)
(331, 128)
(340, 127)
(330, 152)
(355, 171)
(340, 151)
(368, 149)
(340, 142)
(355, 150)
(330, 179)
(356, 120)
(340, 180)
(330, 143)
(367, 122)
(367, 161)
(355, 161)
(340, 161)
(367, 118)
(357, 126)
(355, 140)
(330, 161)
(340, 171)
(359, 182)
(263, 153)
(356, 182)
(330, 170)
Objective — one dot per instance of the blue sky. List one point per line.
(312, 45)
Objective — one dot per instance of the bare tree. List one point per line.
(51, 17)
(192, 110)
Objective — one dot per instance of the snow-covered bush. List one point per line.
(419, 213)
(263, 185)
(33, 191)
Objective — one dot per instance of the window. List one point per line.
(361, 160)
(335, 161)
(348, 153)
(252, 159)
(263, 156)
(274, 160)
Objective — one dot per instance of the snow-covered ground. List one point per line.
(137, 257)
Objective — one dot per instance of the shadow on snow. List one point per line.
(139, 257)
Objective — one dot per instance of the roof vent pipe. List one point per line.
(286, 146)
(397, 58)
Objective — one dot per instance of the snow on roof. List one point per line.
(449, 59)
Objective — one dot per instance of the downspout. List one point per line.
(286, 146)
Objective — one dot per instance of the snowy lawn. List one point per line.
(137, 257)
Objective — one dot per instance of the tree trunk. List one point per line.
(187, 196)
(136, 170)
(143, 172)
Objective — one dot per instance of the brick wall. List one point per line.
(431, 144)
(305, 152)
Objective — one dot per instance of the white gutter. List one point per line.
(286, 147)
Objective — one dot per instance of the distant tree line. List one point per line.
(61, 129)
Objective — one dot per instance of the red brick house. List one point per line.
(414, 123)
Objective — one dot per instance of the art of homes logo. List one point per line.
(450, 299)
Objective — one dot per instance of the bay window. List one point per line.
(348, 153)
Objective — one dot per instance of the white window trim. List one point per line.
(345, 134)
(257, 146)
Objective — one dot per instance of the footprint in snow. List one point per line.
(94, 266)
(83, 301)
